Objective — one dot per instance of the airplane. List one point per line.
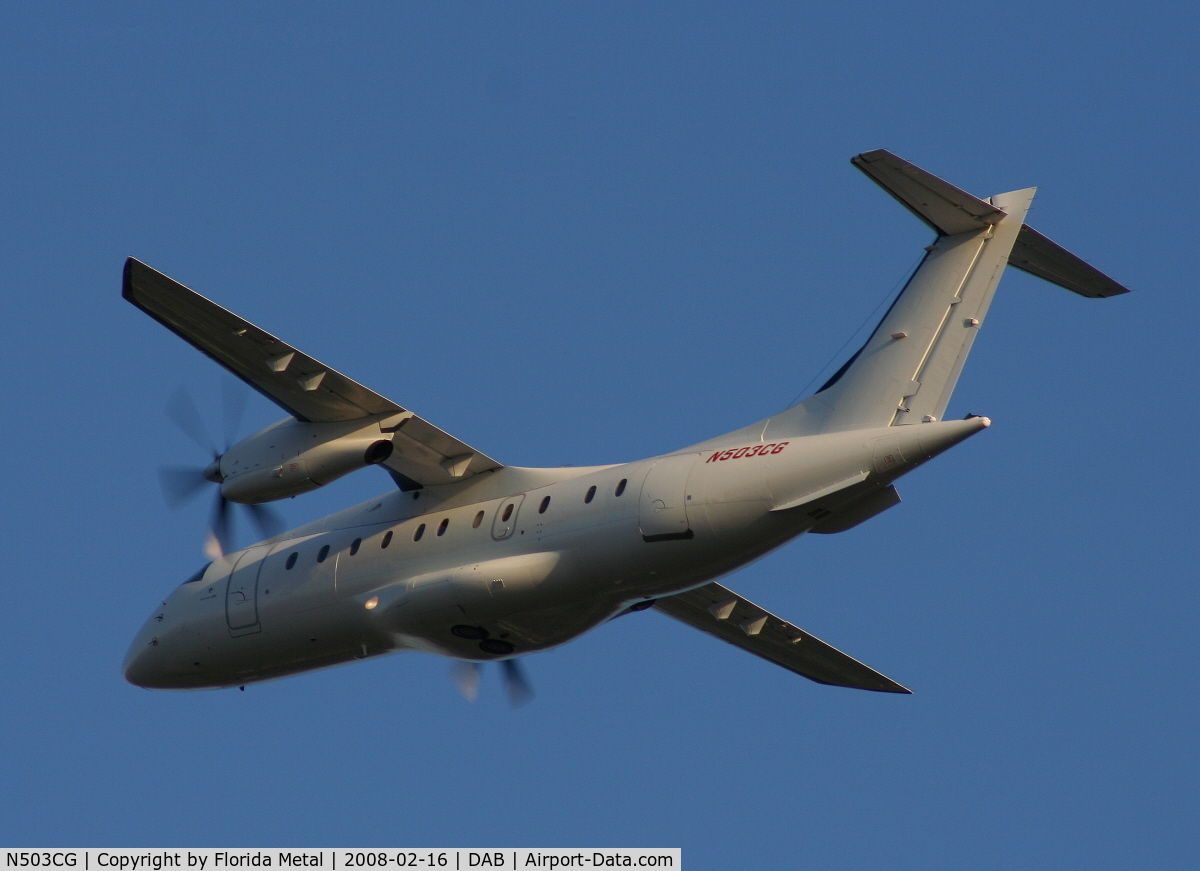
(474, 560)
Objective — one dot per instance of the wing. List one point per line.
(305, 388)
(721, 612)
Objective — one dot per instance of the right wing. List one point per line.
(721, 612)
(305, 388)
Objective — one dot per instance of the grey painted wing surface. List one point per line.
(306, 388)
(719, 611)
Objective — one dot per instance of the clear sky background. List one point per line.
(577, 234)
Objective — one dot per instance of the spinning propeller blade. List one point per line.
(181, 408)
(181, 483)
(233, 409)
(270, 523)
(516, 685)
(466, 676)
(216, 544)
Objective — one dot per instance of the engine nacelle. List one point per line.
(292, 457)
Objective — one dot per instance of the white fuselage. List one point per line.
(506, 562)
(478, 561)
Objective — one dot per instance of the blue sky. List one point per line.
(575, 235)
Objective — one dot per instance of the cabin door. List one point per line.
(662, 511)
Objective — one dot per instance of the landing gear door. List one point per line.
(241, 592)
(662, 511)
(506, 517)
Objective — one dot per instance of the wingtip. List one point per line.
(890, 686)
(868, 156)
(126, 278)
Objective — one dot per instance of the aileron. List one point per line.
(304, 387)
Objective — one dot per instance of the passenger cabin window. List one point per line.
(545, 504)
(291, 560)
(508, 510)
(591, 494)
(387, 539)
(355, 546)
(478, 520)
(442, 526)
(420, 531)
(322, 553)
(621, 486)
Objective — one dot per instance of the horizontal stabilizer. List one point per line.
(721, 612)
(1037, 255)
(945, 208)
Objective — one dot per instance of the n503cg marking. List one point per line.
(749, 451)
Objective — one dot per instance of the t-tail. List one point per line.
(907, 369)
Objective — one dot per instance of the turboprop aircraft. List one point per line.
(478, 561)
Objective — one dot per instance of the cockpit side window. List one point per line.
(197, 576)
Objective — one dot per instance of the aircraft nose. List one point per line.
(139, 666)
(144, 665)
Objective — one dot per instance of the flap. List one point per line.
(721, 612)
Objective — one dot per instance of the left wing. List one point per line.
(305, 388)
(721, 612)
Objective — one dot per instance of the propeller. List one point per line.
(181, 484)
(467, 675)
(516, 685)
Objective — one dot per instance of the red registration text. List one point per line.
(749, 451)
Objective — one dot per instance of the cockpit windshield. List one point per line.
(197, 576)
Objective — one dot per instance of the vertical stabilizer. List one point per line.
(908, 368)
